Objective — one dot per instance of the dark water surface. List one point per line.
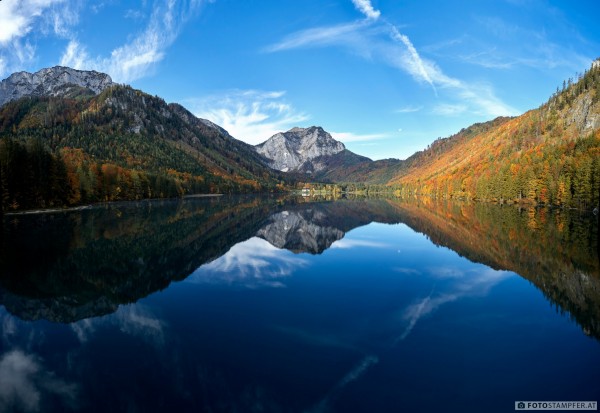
(291, 305)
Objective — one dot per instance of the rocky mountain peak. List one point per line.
(53, 81)
(292, 150)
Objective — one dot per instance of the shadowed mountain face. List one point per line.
(109, 142)
(89, 262)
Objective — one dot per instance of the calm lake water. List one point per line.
(295, 305)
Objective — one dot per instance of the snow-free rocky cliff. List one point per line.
(53, 81)
(293, 150)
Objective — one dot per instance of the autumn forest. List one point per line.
(125, 145)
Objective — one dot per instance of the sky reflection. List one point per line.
(373, 317)
(253, 263)
(25, 384)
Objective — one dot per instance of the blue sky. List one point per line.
(386, 77)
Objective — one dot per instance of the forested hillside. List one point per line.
(120, 144)
(383, 171)
(550, 155)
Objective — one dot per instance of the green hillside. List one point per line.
(550, 155)
(121, 144)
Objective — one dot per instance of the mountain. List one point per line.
(56, 81)
(549, 155)
(307, 150)
(69, 137)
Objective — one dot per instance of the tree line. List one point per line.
(33, 177)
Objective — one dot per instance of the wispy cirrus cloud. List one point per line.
(498, 44)
(376, 39)
(23, 22)
(448, 109)
(415, 63)
(355, 137)
(250, 115)
(135, 58)
(20, 18)
(366, 8)
(409, 109)
(337, 35)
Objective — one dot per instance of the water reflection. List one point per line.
(460, 283)
(253, 263)
(289, 305)
(26, 384)
(71, 266)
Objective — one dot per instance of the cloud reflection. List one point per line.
(24, 384)
(135, 320)
(253, 263)
(463, 283)
(357, 243)
(355, 373)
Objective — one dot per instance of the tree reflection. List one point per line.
(69, 266)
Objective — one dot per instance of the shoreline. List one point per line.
(89, 206)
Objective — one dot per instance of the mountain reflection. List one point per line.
(74, 265)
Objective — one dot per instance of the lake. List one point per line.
(273, 304)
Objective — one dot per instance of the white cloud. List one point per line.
(366, 8)
(134, 59)
(408, 271)
(74, 56)
(23, 51)
(134, 14)
(378, 40)
(321, 36)
(19, 19)
(409, 109)
(415, 64)
(249, 115)
(353, 137)
(60, 20)
(24, 384)
(447, 109)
